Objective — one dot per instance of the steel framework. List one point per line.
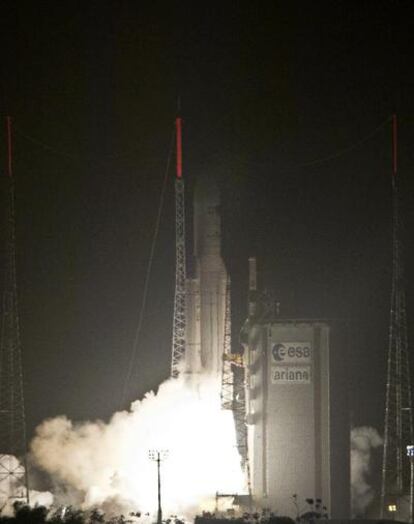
(13, 470)
(398, 425)
(233, 395)
(227, 379)
(179, 321)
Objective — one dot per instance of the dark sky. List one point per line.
(266, 89)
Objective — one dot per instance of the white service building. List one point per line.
(296, 445)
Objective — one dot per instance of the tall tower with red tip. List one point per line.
(398, 425)
(179, 322)
(13, 471)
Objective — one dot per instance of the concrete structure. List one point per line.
(206, 290)
(294, 440)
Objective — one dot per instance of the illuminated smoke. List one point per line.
(363, 441)
(107, 465)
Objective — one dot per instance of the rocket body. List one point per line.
(206, 291)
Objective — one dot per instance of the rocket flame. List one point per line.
(108, 465)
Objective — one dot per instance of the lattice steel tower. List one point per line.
(227, 379)
(13, 473)
(233, 382)
(398, 426)
(178, 343)
(232, 396)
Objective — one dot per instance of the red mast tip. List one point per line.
(178, 126)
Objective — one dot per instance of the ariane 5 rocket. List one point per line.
(206, 290)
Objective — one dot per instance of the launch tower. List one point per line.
(13, 470)
(398, 425)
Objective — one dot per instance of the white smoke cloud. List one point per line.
(363, 441)
(107, 465)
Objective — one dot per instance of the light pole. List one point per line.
(410, 455)
(158, 456)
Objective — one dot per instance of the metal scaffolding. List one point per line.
(179, 322)
(233, 395)
(13, 470)
(227, 379)
(398, 424)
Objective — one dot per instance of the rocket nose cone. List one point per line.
(206, 190)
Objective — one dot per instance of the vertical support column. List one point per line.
(13, 466)
(411, 489)
(179, 321)
(398, 426)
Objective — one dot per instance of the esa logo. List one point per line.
(291, 352)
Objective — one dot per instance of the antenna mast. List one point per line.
(178, 343)
(398, 425)
(13, 467)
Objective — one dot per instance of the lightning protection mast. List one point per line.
(398, 425)
(178, 342)
(13, 470)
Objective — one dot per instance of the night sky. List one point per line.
(286, 104)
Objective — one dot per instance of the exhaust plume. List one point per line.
(107, 464)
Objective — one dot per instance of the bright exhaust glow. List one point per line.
(107, 465)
